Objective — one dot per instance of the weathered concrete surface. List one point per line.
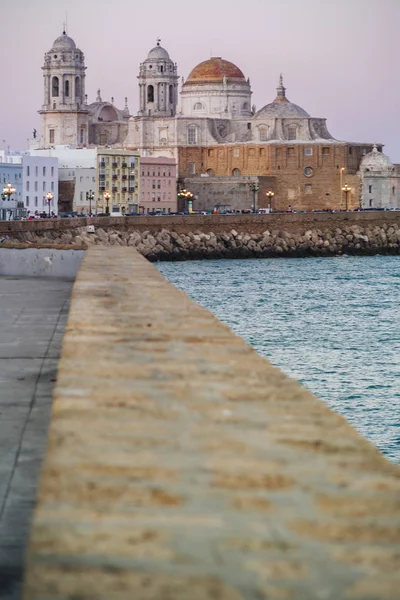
(40, 262)
(183, 466)
(33, 313)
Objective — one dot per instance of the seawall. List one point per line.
(182, 465)
(225, 236)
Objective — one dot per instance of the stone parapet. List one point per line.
(181, 465)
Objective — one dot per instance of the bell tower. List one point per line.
(64, 115)
(158, 84)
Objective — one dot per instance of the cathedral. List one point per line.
(207, 123)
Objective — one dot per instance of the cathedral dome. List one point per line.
(376, 161)
(281, 108)
(64, 42)
(214, 70)
(158, 52)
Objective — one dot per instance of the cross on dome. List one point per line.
(281, 91)
(158, 40)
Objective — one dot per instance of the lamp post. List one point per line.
(188, 197)
(49, 198)
(107, 197)
(342, 169)
(270, 196)
(8, 190)
(254, 187)
(90, 197)
(346, 189)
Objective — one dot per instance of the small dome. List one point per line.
(64, 42)
(214, 70)
(281, 107)
(376, 161)
(158, 52)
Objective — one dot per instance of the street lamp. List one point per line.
(49, 198)
(270, 196)
(188, 197)
(8, 190)
(346, 189)
(90, 197)
(107, 197)
(254, 187)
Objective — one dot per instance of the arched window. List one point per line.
(66, 88)
(150, 93)
(263, 133)
(171, 94)
(77, 87)
(236, 173)
(292, 132)
(198, 106)
(210, 172)
(245, 106)
(54, 87)
(192, 135)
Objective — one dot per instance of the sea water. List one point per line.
(331, 323)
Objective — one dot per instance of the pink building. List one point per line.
(158, 185)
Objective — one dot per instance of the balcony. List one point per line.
(101, 176)
(131, 189)
(102, 188)
(124, 177)
(115, 177)
(115, 188)
(124, 189)
(102, 165)
(131, 177)
(124, 165)
(115, 165)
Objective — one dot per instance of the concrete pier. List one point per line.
(33, 313)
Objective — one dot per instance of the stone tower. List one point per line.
(64, 115)
(158, 84)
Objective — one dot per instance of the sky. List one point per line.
(339, 58)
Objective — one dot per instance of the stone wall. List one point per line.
(241, 236)
(182, 465)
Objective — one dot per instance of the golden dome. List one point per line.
(214, 70)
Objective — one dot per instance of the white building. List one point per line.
(10, 172)
(81, 182)
(380, 183)
(39, 177)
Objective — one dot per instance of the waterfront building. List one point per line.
(209, 126)
(158, 191)
(118, 175)
(380, 181)
(33, 178)
(76, 185)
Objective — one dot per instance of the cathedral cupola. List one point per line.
(158, 84)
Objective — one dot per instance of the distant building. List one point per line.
(118, 175)
(158, 191)
(380, 181)
(33, 178)
(77, 183)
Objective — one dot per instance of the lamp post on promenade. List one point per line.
(342, 169)
(346, 189)
(8, 190)
(188, 197)
(107, 197)
(49, 198)
(90, 197)
(270, 196)
(254, 187)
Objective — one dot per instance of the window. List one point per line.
(364, 151)
(28, 171)
(393, 190)
(36, 186)
(81, 196)
(308, 189)
(308, 171)
(292, 132)
(370, 202)
(370, 189)
(210, 172)
(236, 152)
(153, 197)
(150, 93)
(44, 171)
(44, 186)
(210, 153)
(54, 87)
(290, 151)
(44, 201)
(36, 201)
(82, 136)
(192, 135)
(36, 171)
(308, 151)
(236, 173)
(77, 87)
(66, 88)
(142, 172)
(27, 186)
(171, 94)
(248, 125)
(52, 186)
(350, 150)
(198, 106)
(158, 184)
(192, 168)
(153, 185)
(158, 198)
(326, 151)
(263, 134)
(27, 201)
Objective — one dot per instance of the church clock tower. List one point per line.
(64, 115)
(158, 84)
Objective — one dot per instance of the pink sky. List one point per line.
(339, 58)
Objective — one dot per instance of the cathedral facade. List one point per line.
(207, 123)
